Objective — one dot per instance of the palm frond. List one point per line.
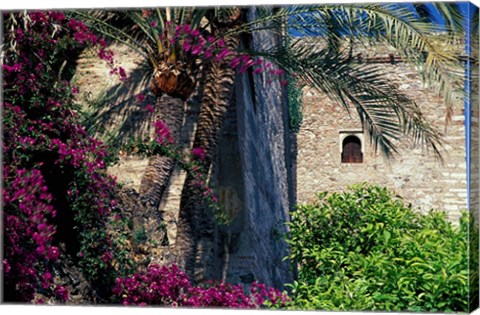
(103, 26)
(386, 114)
(448, 11)
(417, 40)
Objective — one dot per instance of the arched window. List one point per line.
(352, 150)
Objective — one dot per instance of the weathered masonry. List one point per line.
(334, 151)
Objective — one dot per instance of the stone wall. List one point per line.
(415, 175)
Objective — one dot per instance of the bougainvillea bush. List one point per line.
(169, 286)
(55, 189)
(365, 250)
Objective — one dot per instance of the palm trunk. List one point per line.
(159, 169)
(196, 224)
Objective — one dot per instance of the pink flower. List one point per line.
(40, 250)
(223, 54)
(199, 153)
(221, 43)
(278, 72)
(187, 46)
(46, 279)
(102, 42)
(122, 73)
(53, 253)
(235, 62)
(15, 68)
(149, 108)
(6, 266)
(61, 293)
(106, 55)
(154, 24)
(140, 97)
(195, 32)
(186, 28)
(196, 50)
(58, 16)
(75, 90)
(163, 133)
(107, 257)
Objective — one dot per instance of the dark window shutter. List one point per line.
(352, 150)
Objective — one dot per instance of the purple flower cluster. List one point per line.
(43, 143)
(194, 44)
(199, 153)
(162, 132)
(169, 286)
(189, 43)
(108, 56)
(28, 233)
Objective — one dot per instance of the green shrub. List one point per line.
(364, 250)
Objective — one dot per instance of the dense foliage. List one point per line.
(55, 189)
(364, 250)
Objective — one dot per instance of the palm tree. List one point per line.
(385, 113)
(156, 36)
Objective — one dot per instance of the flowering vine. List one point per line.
(169, 286)
(54, 171)
(209, 49)
(164, 144)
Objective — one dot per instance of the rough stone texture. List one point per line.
(254, 175)
(415, 175)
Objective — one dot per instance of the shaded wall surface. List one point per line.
(415, 175)
(265, 189)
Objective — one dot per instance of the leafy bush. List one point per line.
(364, 250)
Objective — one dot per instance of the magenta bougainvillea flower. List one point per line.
(199, 153)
